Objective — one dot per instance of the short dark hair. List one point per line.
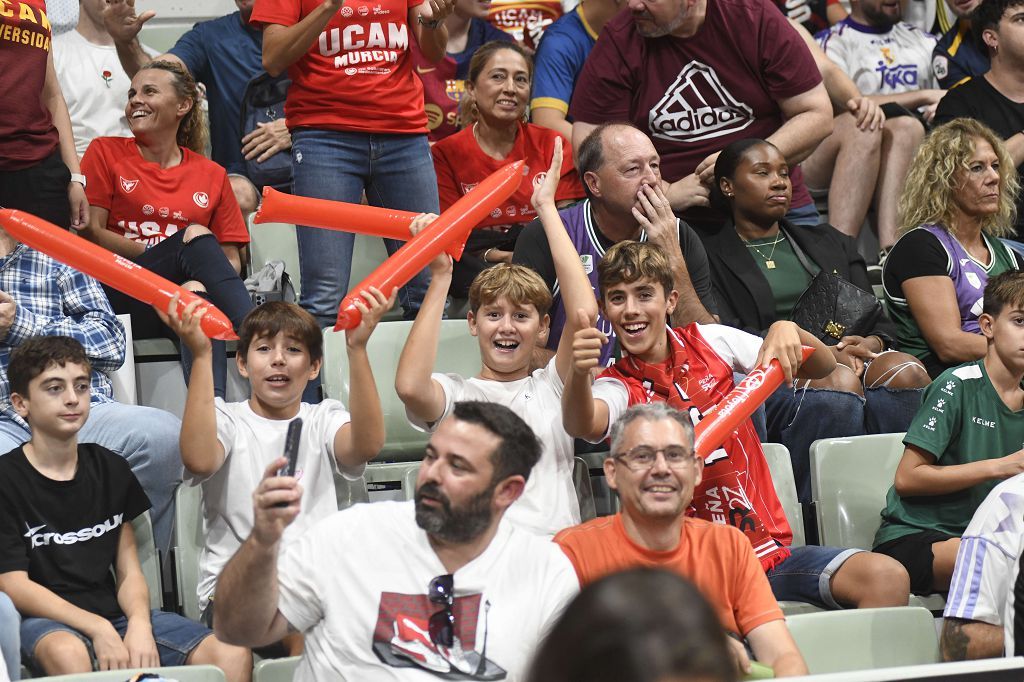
(1002, 290)
(274, 317)
(987, 15)
(32, 357)
(642, 625)
(590, 156)
(519, 449)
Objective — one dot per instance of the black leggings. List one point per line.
(202, 260)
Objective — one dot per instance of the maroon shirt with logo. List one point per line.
(693, 96)
(27, 135)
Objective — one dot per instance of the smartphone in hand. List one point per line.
(291, 447)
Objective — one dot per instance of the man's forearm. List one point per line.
(245, 601)
(132, 56)
(964, 640)
(689, 307)
(801, 135)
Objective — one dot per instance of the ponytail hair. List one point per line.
(192, 129)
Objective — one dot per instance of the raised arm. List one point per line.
(362, 438)
(285, 45)
(423, 396)
(427, 23)
(123, 25)
(582, 416)
(202, 453)
(577, 293)
(245, 602)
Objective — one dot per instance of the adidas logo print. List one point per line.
(697, 106)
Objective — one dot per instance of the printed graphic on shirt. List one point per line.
(369, 47)
(893, 74)
(402, 639)
(524, 20)
(88, 533)
(697, 106)
(23, 24)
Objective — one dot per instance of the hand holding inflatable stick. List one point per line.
(113, 270)
(739, 404)
(450, 228)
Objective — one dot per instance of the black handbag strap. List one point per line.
(812, 268)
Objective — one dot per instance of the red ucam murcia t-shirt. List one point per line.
(693, 96)
(357, 76)
(148, 204)
(27, 134)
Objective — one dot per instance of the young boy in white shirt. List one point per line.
(76, 502)
(226, 446)
(508, 315)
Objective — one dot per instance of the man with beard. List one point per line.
(654, 471)
(438, 587)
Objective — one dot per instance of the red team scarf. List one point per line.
(686, 381)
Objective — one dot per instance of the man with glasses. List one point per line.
(418, 590)
(654, 471)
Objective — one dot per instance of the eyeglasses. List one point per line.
(643, 457)
(442, 624)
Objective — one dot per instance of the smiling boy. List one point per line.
(226, 446)
(691, 368)
(509, 316)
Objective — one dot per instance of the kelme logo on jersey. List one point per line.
(202, 199)
(87, 533)
(127, 185)
(697, 106)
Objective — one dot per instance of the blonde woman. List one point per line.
(958, 200)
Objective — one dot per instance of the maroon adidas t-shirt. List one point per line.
(695, 95)
(27, 135)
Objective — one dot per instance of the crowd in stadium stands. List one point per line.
(709, 186)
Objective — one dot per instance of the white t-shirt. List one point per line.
(356, 585)
(738, 349)
(94, 86)
(549, 503)
(898, 60)
(982, 587)
(251, 443)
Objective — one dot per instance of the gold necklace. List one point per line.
(768, 262)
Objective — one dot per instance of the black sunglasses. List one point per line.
(442, 624)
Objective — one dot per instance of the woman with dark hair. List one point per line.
(958, 201)
(641, 625)
(155, 200)
(761, 266)
(496, 134)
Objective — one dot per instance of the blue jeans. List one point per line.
(175, 636)
(806, 575)
(804, 215)
(10, 642)
(145, 436)
(396, 171)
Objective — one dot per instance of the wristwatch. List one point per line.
(79, 178)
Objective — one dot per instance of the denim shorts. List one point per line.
(176, 636)
(806, 575)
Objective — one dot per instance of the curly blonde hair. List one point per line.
(193, 132)
(928, 195)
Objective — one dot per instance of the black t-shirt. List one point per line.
(977, 99)
(65, 533)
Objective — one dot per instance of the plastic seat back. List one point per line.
(457, 353)
(849, 481)
(188, 544)
(862, 639)
(184, 673)
(276, 670)
(781, 467)
(149, 557)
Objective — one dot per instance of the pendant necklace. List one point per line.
(768, 262)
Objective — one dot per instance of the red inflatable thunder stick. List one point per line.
(451, 227)
(113, 270)
(739, 404)
(278, 207)
(339, 215)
